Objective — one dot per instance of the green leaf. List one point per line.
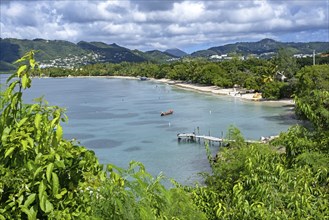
(49, 206)
(42, 202)
(24, 144)
(28, 213)
(60, 195)
(37, 121)
(59, 133)
(25, 81)
(42, 189)
(60, 163)
(58, 158)
(30, 165)
(32, 63)
(37, 172)
(50, 168)
(55, 183)
(21, 122)
(30, 141)
(31, 213)
(21, 69)
(29, 200)
(34, 213)
(9, 151)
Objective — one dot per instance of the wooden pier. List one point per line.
(192, 137)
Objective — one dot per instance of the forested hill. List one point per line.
(59, 53)
(64, 53)
(270, 46)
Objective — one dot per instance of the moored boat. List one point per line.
(169, 112)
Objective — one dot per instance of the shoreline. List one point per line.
(233, 92)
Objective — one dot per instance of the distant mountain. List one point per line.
(175, 52)
(158, 56)
(203, 53)
(67, 54)
(111, 52)
(63, 53)
(266, 46)
(12, 49)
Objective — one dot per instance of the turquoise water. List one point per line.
(120, 120)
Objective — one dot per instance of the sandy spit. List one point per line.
(234, 92)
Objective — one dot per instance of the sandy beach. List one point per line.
(234, 92)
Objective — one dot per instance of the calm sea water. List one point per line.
(120, 120)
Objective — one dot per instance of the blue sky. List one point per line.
(162, 24)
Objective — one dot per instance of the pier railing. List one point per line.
(192, 137)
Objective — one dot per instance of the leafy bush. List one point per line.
(258, 182)
(135, 194)
(43, 176)
(272, 90)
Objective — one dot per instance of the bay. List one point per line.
(119, 119)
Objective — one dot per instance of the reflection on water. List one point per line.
(130, 149)
(102, 143)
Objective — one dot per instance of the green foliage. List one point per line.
(265, 189)
(42, 175)
(135, 194)
(235, 137)
(308, 61)
(312, 78)
(272, 90)
(257, 182)
(286, 63)
(254, 74)
(312, 95)
(315, 108)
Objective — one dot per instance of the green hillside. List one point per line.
(158, 56)
(65, 54)
(111, 52)
(12, 49)
(268, 46)
(48, 49)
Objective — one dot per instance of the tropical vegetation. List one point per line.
(275, 78)
(44, 176)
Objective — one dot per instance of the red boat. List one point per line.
(169, 112)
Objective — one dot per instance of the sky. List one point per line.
(163, 24)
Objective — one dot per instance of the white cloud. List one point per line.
(260, 11)
(187, 11)
(156, 24)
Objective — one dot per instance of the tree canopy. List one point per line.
(44, 176)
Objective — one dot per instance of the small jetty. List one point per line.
(192, 137)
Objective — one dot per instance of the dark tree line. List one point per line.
(275, 78)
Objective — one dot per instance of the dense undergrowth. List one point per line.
(44, 176)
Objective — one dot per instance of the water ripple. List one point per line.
(102, 143)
